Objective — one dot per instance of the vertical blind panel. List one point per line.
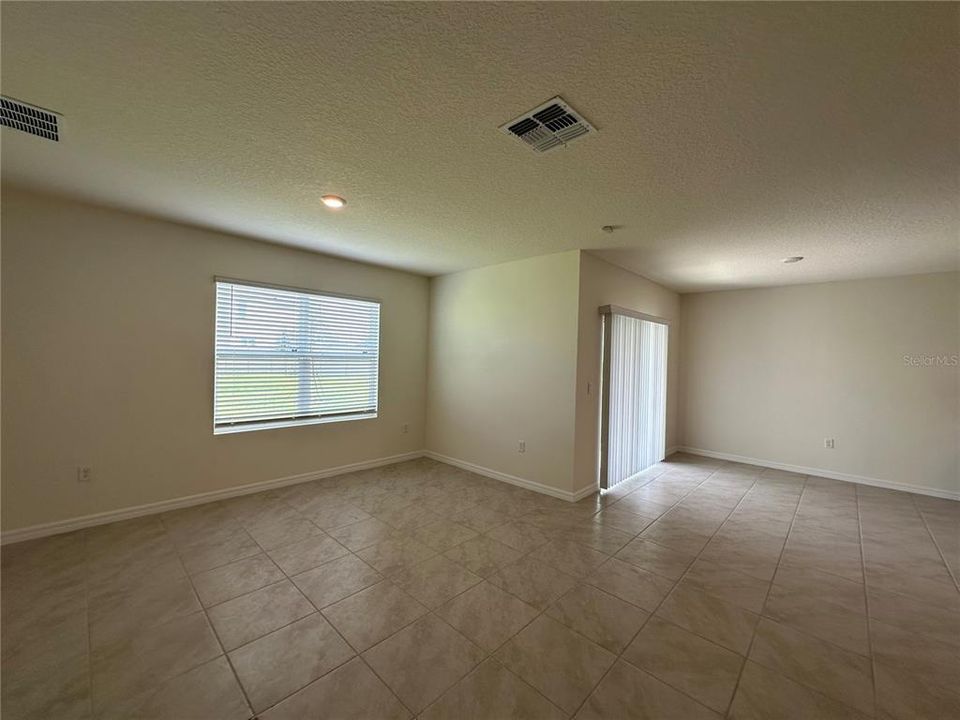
(638, 396)
(284, 355)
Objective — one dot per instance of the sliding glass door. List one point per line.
(634, 394)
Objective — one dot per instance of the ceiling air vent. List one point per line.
(551, 125)
(29, 118)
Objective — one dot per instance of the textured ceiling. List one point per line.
(730, 135)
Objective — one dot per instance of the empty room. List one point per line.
(479, 361)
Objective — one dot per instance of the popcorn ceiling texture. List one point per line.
(731, 135)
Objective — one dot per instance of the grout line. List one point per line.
(213, 629)
(679, 580)
(933, 538)
(805, 633)
(384, 578)
(490, 655)
(167, 537)
(766, 597)
(86, 610)
(555, 535)
(383, 682)
(223, 653)
(486, 655)
(667, 594)
(866, 604)
(356, 653)
(483, 579)
(432, 611)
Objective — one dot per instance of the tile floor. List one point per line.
(702, 589)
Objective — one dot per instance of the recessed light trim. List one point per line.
(792, 259)
(334, 202)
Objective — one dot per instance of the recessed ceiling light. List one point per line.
(794, 259)
(333, 201)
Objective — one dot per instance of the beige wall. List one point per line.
(107, 323)
(107, 361)
(502, 367)
(769, 373)
(604, 284)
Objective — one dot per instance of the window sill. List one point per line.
(278, 424)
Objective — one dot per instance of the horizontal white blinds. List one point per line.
(638, 396)
(284, 355)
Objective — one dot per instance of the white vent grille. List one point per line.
(29, 119)
(551, 125)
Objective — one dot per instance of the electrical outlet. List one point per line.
(828, 443)
(84, 474)
(522, 446)
(404, 428)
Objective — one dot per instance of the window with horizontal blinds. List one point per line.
(292, 357)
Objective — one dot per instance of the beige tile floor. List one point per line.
(700, 590)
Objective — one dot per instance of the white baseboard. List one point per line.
(61, 526)
(583, 492)
(512, 479)
(820, 472)
(78, 523)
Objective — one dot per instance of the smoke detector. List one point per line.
(29, 118)
(551, 125)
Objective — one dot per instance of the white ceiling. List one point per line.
(730, 135)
